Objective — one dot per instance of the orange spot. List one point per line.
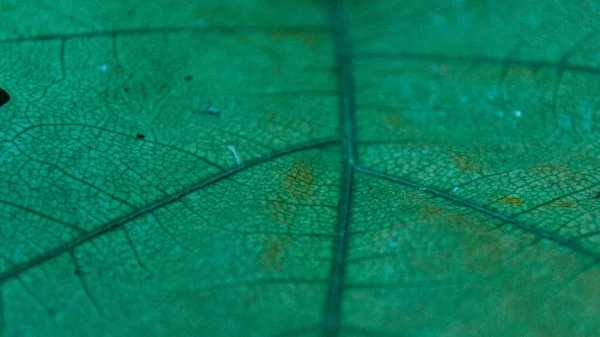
(279, 211)
(276, 35)
(271, 115)
(568, 204)
(432, 211)
(308, 38)
(243, 39)
(465, 164)
(522, 72)
(444, 71)
(117, 70)
(512, 200)
(273, 255)
(392, 119)
(275, 71)
(300, 181)
(544, 168)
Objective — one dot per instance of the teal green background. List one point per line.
(371, 168)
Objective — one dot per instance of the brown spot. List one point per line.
(568, 204)
(117, 70)
(271, 115)
(273, 255)
(512, 200)
(522, 72)
(249, 299)
(308, 38)
(243, 39)
(300, 181)
(143, 89)
(392, 119)
(544, 168)
(431, 211)
(275, 71)
(465, 164)
(444, 71)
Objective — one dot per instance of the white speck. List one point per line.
(211, 110)
(392, 244)
(236, 157)
(518, 113)
(103, 67)
(455, 189)
(422, 188)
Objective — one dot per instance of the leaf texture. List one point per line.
(303, 168)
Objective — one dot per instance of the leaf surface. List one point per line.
(304, 168)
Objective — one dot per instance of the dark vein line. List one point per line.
(50, 311)
(120, 133)
(42, 215)
(346, 98)
(508, 61)
(119, 222)
(162, 30)
(135, 252)
(84, 285)
(574, 246)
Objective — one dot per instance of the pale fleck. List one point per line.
(138, 228)
(518, 113)
(211, 110)
(392, 244)
(236, 157)
(103, 67)
(455, 189)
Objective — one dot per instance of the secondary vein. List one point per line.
(345, 76)
(67, 247)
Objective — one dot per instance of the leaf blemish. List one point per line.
(512, 200)
(299, 180)
(273, 256)
(140, 136)
(465, 165)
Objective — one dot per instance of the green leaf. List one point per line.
(299, 168)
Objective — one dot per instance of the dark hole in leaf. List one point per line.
(140, 136)
(188, 78)
(4, 97)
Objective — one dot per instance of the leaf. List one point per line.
(270, 168)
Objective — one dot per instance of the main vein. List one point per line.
(345, 76)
